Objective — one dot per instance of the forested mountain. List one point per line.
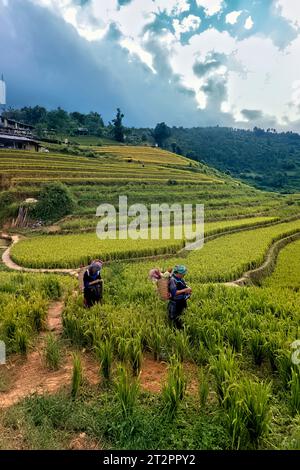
(266, 159)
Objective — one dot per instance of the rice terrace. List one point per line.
(140, 339)
(118, 375)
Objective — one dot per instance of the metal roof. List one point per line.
(15, 137)
(16, 122)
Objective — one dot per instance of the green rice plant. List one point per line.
(295, 391)
(181, 345)
(285, 367)
(127, 391)
(52, 287)
(235, 416)
(38, 319)
(38, 311)
(121, 348)
(257, 414)
(210, 335)
(257, 343)
(174, 389)
(105, 355)
(52, 352)
(273, 345)
(22, 341)
(135, 354)
(200, 354)
(93, 330)
(155, 341)
(203, 388)
(77, 376)
(235, 335)
(251, 321)
(224, 369)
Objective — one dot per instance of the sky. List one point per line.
(186, 62)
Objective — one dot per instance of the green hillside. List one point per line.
(264, 158)
(144, 174)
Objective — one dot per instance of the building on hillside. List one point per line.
(12, 127)
(14, 134)
(18, 143)
(81, 131)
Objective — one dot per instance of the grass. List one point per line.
(77, 376)
(174, 389)
(127, 390)
(203, 388)
(24, 302)
(105, 355)
(52, 352)
(287, 270)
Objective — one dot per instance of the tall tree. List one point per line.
(161, 133)
(118, 128)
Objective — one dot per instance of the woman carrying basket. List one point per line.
(179, 293)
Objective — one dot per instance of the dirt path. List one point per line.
(256, 275)
(9, 263)
(30, 375)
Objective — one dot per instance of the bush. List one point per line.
(55, 201)
(90, 154)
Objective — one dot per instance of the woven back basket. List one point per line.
(163, 288)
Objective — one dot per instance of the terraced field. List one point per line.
(24, 301)
(30, 168)
(144, 155)
(89, 224)
(161, 177)
(231, 381)
(287, 270)
(220, 260)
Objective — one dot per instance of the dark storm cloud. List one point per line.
(46, 62)
(123, 2)
(113, 33)
(81, 3)
(212, 62)
(215, 89)
(252, 114)
(259, 118)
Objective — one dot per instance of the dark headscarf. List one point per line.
(94, 268)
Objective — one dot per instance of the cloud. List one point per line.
(187, 61)
(212, 62)
(249, 23)
(215, 89)
(211, 7)
(252, 114)
(290, 9)
(294, 103)
(83, 75)
(189, 23)
(123, 2)
(232, 17)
